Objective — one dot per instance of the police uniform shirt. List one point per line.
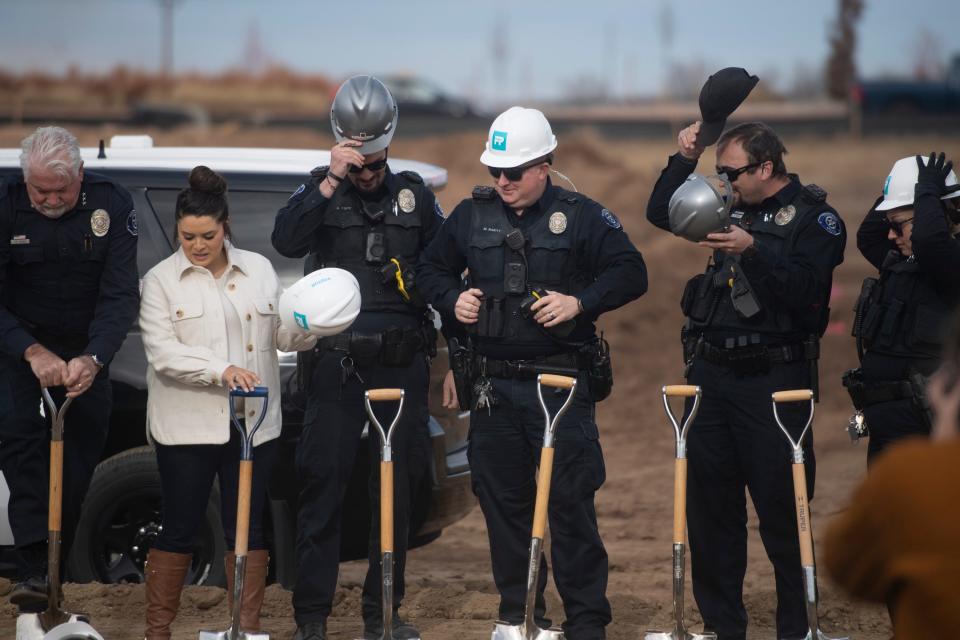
(600, 245)
(797, 276)
(71, 282)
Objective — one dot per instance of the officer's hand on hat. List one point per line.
(343, 155)
(555, 308)
(932, 175)
(733, 241)
(687, 142)
(235, 377)
(80, 374)
(49, 369)
(467, 307)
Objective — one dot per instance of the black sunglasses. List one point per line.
(732, 174)
(374, 166)
(898, 226)
(513, 174)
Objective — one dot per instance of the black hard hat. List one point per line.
(720, 96)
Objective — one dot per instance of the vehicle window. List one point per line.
(251, 223)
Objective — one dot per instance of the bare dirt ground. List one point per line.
(450, 593)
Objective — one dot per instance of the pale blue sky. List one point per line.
(550, 46)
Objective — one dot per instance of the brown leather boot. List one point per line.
(165, 573)
(254, 584)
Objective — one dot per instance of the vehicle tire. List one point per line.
(121, 518)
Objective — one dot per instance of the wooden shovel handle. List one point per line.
(386, 507)
(796, 395)
(555, 381)
(544, 476)
(243, 507)
(680, 390)
(680, 501)
(803, 515)
(55, 509)
(384, 395)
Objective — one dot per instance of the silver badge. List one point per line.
(406, 200)
(785, 215)
(558, 222)
(100, 222)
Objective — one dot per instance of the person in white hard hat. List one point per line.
(209, 320)
(358, 215)
(543, 264)
(910, 236)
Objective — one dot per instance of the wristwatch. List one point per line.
(97, 361)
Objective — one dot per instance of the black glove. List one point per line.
(932, 177)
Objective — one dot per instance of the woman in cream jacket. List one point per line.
(208, 316)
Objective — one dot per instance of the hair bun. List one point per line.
(206, 179)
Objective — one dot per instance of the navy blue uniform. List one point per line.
(574, 246)
(361, 232)
(71, 285)
(901, 325)
(738, 362)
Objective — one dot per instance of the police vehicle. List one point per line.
(121, 514)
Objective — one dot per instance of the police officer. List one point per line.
(910, 237)
(68, 295)
(357, 215)
(753, 323)
(523, 237)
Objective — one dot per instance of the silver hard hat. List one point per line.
(700, 206)
(364, 110)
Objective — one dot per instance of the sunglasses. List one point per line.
(513, 174)
(898, 226)
(732, 174)
(374, 166)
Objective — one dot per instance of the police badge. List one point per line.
(406, 200)
(100, 222)
(558, 222)
(785, 215)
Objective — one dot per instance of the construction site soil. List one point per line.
(450, 589)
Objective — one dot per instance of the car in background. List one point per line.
(910, 97)
(417, 96)
(122, 512)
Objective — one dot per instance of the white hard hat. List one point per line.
(323, 303)
(898, 189)
(517, 136)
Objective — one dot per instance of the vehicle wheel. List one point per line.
(122, 518)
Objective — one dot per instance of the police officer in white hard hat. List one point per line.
(543, 264)
(910, 236)
(359, 216)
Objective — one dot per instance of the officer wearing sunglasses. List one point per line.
(543, 264)
(910, 236)
(785, 241)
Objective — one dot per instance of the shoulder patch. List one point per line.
(132, 228)
(830, 222)
(320, 172)
(437, 209)
(610, 219)
(412, 176)
(299, 190)
(815, 193)
(483, 193)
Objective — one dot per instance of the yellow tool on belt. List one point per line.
(401, 286)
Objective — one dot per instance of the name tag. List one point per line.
(19, 240)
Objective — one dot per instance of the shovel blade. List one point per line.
(226, 635)
(682, 635)
(504, 631)
(822, 636)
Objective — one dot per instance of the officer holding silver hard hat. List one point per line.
(357, 215)
(754, 319)
(910, 236)
(544, 263)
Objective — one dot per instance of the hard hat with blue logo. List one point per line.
(516, 137)
(322, 303)
(899, 185)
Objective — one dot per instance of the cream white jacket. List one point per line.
(185, 338)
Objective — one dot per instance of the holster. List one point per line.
(464, 375)
(596, 356)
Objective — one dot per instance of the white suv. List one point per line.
(121, 514)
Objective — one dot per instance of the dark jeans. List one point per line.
(186, 477)
(734, 444)
(892, 421)
(328, 447)
(504, 453)
(25, 455)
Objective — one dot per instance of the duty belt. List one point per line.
(755, 358)
(392, 346)
(562, 363)
(864, 394)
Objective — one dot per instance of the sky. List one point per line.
(490, 51)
